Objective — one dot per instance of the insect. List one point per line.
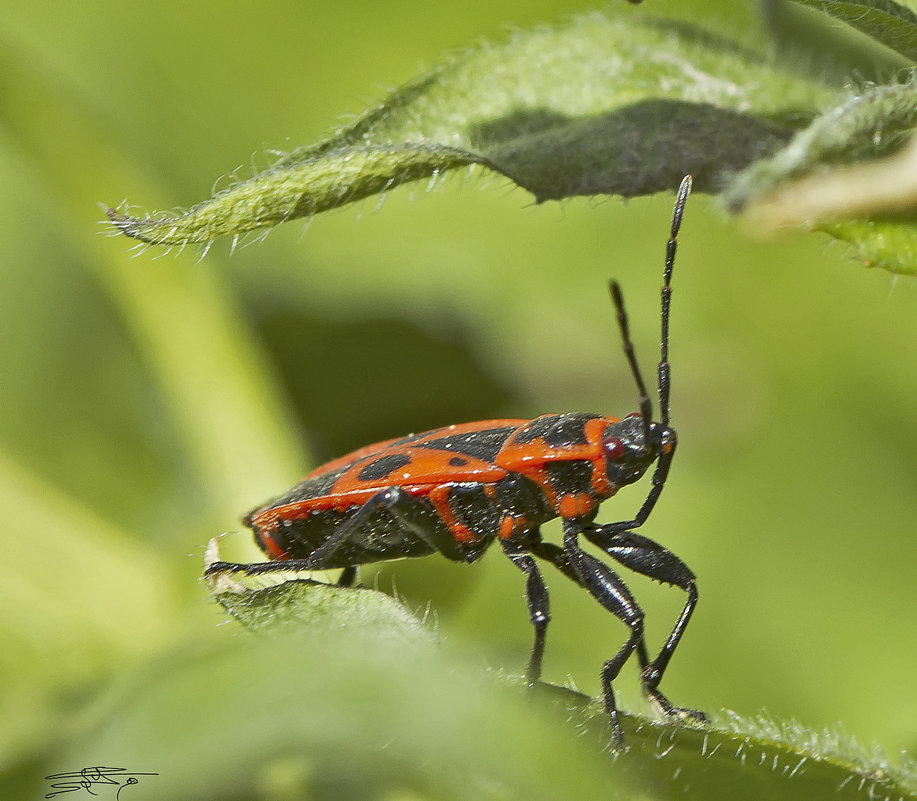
(456, 490)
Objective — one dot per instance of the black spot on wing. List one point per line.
(383, 466)
(458, 461)
(556, 429)
(483, 445)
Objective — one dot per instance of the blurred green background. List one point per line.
(146, 403)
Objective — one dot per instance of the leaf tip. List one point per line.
(127, 225)
(219, 582)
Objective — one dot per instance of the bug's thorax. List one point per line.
(578, 460)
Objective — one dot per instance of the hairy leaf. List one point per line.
(890, 23)
(616, 103)
(865, 124)
(733, 757)
(300, 603)
(809, 184)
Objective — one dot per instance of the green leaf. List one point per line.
(338, 711)
(807, 183)
(616, 103)
(862, 125)
(299, 603)
(886, 243)
(889, 23)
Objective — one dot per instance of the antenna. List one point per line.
(646, 406)
(671, 246)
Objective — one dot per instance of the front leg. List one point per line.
(609, 590)
(649, 558)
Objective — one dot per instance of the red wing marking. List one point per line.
(342, 502)
(399, 444)
(520, 458)
(265, 524)
(350, 458)
(413, 466)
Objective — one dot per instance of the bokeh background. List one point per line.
(145, 403)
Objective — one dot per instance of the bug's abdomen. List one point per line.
(380, 537)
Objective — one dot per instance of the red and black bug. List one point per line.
(456, 490)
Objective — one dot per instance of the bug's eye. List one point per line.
(614, 448)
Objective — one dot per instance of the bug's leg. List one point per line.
(558, 557)
(643, 555)
(409, 512)
(537, 602)
(609, 590)
(657, 483)
(417, 518)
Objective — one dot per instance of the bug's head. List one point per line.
(630, 447)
